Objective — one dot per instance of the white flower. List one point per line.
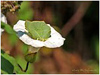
(56, 40)
(3, 19)
(2, 30)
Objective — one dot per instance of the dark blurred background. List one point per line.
(77, 21)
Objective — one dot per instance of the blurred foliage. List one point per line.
(57, 29)
(68, 44)
(25, 12)
(97, 49)
(92, 8)
(7, 28)
(13, 39)
(46, 51)
(95, 46)
(56, 19)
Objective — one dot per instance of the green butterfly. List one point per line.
(38, 30)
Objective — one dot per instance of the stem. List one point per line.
(26, 67)
(75, 18)
(20, 67)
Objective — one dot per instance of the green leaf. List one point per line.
(6, 65)
(3, 72)
(7, 28)
(38, 29)
(25, 12)
(9, 64)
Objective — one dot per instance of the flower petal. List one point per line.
(56, 40)
(20, 26)
(2, 30)
(29, 41)
(3, 18)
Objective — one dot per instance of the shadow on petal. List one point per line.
(20, 33)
